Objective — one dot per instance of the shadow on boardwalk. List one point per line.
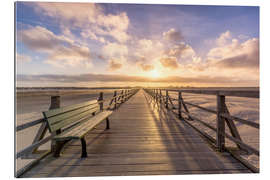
(144, 139)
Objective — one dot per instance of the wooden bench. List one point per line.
(74, 122)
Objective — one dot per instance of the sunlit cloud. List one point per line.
(224, 38)
(115, 65)
(115, 50)
(60, 50)
(89, 17)
(145, 67)
(236, 54)
(230, 58)
(71, 56)
(169, 62)
(41, 39)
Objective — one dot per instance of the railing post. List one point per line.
(160, 96)
(220, 138)
(156, 94)
(55, 103)
(179, 105)
(122, 95)
(167, 99)
(100, 98)
(115, 99)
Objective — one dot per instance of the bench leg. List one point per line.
(84, 153)
(107, 123)
(58, 147)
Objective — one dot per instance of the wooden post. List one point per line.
(100, 98)
(122, 94)
(179, 105)
(55, 103)
(160, 96)
(115, 99)
(233, 128)
(167, 99)
(220, 138)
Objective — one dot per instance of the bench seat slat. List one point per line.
(62, 117)
(81, 129)
(72, 120)
(57, 111)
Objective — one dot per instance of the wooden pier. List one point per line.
(144, 139)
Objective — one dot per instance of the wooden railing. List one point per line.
(222, 116)
(118, 98)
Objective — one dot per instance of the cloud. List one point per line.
(124, 78)
(89, 17)
(89, 34)
(70, 56)
(116, 53)
(182, 51)
(147, 49)
(75, 13)
(114, 65)
(114, 25)
(224, 38)
(115, 50)
(22, 58)
(173, 35)
(145, 67)
(169, 62)
(233, 59)
(60, 50)
(41, 39)
(145, 45)
(236, 55)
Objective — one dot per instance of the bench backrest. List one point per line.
(68, 115)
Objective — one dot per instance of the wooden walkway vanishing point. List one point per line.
(143, 139)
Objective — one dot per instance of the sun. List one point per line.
(154, 73)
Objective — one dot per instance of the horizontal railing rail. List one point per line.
(222, 116)
(40, 139)
(235, 93)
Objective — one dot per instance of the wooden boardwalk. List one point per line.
(144, 139)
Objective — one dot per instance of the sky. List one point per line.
(88, 44)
